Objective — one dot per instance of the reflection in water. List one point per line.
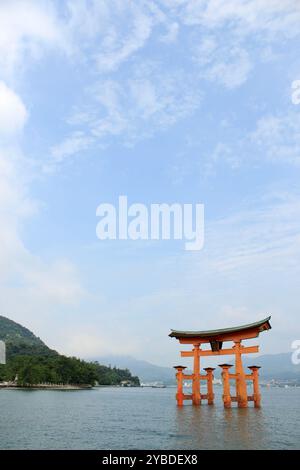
(245, 425)
(213, 427)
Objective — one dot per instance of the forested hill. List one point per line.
(21, 341)
(33, 362)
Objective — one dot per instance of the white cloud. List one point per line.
(148, 101)
(25, 27)
(86, 342)
(119, 28)
(262, 238)
(172, 33)
(230, 68)
(232, 34)
(76, 142)
(13, 113)
(14, 202)
(56, 282)
(278, 137)
(274, 139)
(223, 153)
(226, 64)
(117, 50)
(244, 16)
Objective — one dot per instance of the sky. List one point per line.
(166, 101)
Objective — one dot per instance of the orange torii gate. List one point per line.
(216, 338)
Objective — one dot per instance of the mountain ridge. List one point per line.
(273, 366)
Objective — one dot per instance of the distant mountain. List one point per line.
(276, 366)
(21, 341)
(146, 371)
(273, 366)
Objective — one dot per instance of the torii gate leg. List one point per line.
(241, 384)
(226, 385)
(256, 391)
(210, 390)
(196, 376)
(179, 377)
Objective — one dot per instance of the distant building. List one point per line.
(153, 384)
(127, 383)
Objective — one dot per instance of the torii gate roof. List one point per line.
(252, 329)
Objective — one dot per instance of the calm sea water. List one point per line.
(124, 418)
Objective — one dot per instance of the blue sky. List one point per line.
(162, 101)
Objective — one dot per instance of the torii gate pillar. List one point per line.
(196, 376)
(240, 381)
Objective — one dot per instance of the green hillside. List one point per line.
(21, 341)
(33, 362)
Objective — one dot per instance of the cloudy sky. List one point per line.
(185, 101)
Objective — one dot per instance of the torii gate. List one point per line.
(216, 338)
